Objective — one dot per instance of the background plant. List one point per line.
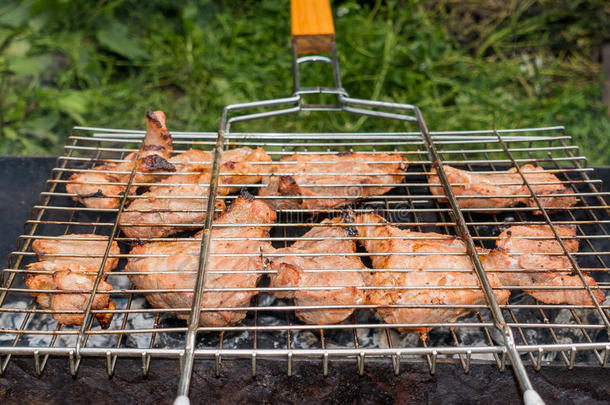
(468, 65)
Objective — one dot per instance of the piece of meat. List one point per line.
(157, 149)
(103, 187)
(168, 210)
(99, 188)
(67, 280)
(242, 166)
(81, 252)
(531, 257)
(537, 238)
(422, 263)
(71, 264)
(505, 189)
(175, 264)
(193, 160)
(179, 202)
(338, 180)
(431, 268)
(311, 273)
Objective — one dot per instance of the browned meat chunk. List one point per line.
(537, 239)
(193, 160)
(99, 188)
(533, 253)
(505, 189)
(71, 264)
(426, 263)
(232, 264)
(179, 202)
(102, 187)
(81, 255)
(429, 267)
(337, 180)
(301, 266)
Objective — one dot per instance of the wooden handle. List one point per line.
(312, 26)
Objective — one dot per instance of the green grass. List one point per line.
(488, 64)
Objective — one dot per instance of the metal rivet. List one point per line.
(37, 362)
(109, 368)
(145, 363)
(289, 364)
(572, 357)
(396, 361)
(433, 362)
(539, 359)
(325, 364)
(72, 363)
(217, 357)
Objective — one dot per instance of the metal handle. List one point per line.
(531, 397)
(313, 30)
(182, 400)
(333, 62)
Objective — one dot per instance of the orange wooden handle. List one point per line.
(312, 26)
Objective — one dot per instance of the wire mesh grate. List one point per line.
(545, 333)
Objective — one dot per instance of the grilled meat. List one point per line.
(167, 210)
(101, 189)
(311, 272)
(533, 254)
(93, 189)
(193, 160)
(179, 202)
(502, 189)
(338, 180)
(242, 166)
(516, 262)
(89, 252)
(177, 267)
(156, 151)
(74, 270)
(537, 238)
(428, 279)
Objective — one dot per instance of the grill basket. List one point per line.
(523, 331)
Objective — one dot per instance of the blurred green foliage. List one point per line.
(467, 65)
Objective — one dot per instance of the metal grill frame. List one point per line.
(432, 146)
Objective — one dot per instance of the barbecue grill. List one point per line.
(516, 334)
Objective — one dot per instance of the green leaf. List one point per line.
(10, 134)
(73, 103)
(42, 124)
(17, 47)
(115, 38)
(29, 66)
(15, 16)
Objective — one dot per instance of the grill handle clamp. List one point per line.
(312, 26)
(313, 32)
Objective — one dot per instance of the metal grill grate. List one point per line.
(520, 331)
(544, 334)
